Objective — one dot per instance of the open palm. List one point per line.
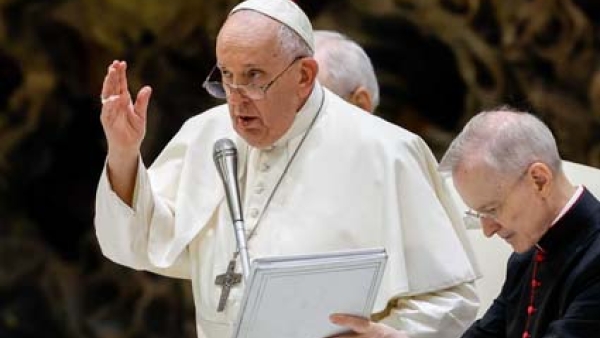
(123, 121)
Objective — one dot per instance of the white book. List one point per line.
(293, 296)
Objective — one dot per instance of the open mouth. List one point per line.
(246, 120)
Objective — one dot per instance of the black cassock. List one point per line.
(553, 290)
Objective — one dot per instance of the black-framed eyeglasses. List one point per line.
(222, 90)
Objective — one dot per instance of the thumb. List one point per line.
(141, 101)
(355, 323)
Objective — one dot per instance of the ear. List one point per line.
(542, 177)
(361, 98)
(308, 74)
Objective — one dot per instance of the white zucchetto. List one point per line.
(284, 11)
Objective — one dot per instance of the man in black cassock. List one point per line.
(506, 167)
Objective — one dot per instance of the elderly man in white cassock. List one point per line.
(346, 69)
(316, 174)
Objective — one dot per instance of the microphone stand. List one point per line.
(240, 236)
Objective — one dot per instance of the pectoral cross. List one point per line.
(226, 281)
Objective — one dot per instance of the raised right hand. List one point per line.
(124, 124)
(123, 121)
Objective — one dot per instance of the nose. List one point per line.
(236, 96)
(489, 226)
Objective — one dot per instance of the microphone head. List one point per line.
(225, 157)
(224, 147)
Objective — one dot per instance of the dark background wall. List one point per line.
(439, 62)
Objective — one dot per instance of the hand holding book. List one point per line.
(364, 328)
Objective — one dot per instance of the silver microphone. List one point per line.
(225, 156)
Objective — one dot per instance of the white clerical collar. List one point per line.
(303, 118)
(569, 204)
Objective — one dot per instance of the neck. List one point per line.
(303, 102)
(561, 195)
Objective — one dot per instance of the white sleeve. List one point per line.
(123, 231)
(442, 314)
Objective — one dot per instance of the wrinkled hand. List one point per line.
(123, 121)
(364, 328)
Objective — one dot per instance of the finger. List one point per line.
(123, 88)
(141, 102)
(355, 323)
(109, 94)
(104, 92)
(345, 335)
(109, 87)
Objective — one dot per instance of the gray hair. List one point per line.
(507, 140)
(291, 43)
(347, 66)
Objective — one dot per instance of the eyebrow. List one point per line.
(246, 65)
(485, 206)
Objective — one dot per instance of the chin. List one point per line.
(253, 140)
(519, 250)
(522, 248)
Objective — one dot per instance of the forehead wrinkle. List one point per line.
(249, 36)
(473, 170)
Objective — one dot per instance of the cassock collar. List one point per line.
(573, 227)
(569, 204)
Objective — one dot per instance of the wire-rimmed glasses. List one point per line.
(221, 90)
(473, 218)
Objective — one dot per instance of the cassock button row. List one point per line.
(535, 283)
(530, 310)
(540, 257)
(526, 334)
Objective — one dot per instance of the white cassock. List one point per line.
(356, 182)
